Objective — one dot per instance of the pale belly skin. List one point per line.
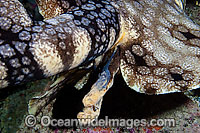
(152, 43)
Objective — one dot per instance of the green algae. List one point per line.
(15, 106)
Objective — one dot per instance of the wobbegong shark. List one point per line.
(152, 43)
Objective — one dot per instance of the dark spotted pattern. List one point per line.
(100, 21)
(34, 50)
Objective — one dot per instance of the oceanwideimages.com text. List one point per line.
(46, 121)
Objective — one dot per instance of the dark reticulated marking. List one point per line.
(100, 19)
(139, 60)
(188, 35)
(68, 5)
(150, 90)
(177, 77)
(21, 66)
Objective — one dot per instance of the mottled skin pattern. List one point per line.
(154, 45)
(46, 48)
